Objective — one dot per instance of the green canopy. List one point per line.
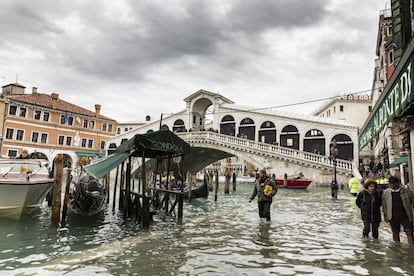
(155, 144)
(151, 145)
(102, 168)
(398, 161)
(197, 159)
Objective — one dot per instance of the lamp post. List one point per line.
(334, 153)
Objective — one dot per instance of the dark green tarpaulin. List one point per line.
(102, 168)
(86, 154)
(156, 144)
(398, 161)
(197, 159)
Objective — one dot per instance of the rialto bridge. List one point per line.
(282, 142)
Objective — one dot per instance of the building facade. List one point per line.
(46, 125)
(389, 127)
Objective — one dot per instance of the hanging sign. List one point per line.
(397, 98)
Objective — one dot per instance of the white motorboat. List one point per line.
(24, 184)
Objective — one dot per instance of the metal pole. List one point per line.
(161, 121)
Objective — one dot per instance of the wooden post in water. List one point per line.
(121, 187)
(190, 185)
(227, 182)
(217, 186)
(57, 188)
(115, 186)
(146, 217)
(234, 181)
(108, 186)
(66, 201)
(127, 196)
(180, 196)
(210, 181)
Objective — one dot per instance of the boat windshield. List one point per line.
(6, 168)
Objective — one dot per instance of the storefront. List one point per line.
(395, 104)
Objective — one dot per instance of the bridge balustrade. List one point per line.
(263, 148)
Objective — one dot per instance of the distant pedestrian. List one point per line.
(265, 188)
(334, 189)
(382, 182)
(353, 185)
(369, 201)
(397, 205)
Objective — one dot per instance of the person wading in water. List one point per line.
(265, 188)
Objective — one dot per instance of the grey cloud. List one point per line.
(25, 20)
(257, 16)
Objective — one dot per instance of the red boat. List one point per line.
(293, 183)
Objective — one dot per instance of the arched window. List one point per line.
(228, 125)
(344, 146)
(179, 126)
(267, 132)
(289, 137)
(314, 142)
(247, 129)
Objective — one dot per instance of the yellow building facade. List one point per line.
(46, 125)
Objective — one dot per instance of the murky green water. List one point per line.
(309, 235)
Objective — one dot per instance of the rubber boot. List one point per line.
(396, 236)
(410, 237)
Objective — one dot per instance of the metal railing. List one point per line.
(269, 150)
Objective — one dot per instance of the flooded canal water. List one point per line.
(308, 235)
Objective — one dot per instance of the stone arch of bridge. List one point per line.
(198, 111)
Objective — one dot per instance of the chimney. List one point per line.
(97, 110)
(34, 90)
(55, 97)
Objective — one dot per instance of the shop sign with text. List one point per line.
(396, 100)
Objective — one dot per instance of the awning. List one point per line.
(155, 144)
(89, 154)
(85, 154)
(103, 167)
(398, 161)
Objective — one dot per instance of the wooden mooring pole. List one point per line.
(217, 186)
(115, 186)
(66, 200)
(57, 188)
(121, 187)
(210, 181)
(234, 181)
(227, 182)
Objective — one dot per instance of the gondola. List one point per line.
(88, 196)
(197, 192)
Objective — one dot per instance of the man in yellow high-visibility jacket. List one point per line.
(353, 185)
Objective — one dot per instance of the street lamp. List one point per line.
(334, 153)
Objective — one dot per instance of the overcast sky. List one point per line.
(139, 58)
